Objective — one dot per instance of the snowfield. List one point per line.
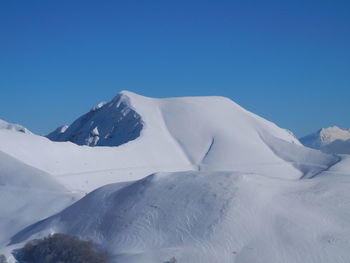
(212, 217)
(199, 179)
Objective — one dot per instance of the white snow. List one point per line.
(226, 185)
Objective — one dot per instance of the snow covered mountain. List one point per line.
(13, 127)
(177, 134)
(122, 119)
(332, 140)
(197, 178)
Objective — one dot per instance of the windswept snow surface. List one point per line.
(225, 185)
(331, 140)
(208, 217)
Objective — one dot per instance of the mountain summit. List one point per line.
(107, 124)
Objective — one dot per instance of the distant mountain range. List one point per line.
(330, 140)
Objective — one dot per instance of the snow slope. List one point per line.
(331, 140)
(210, 217)
(26, 196)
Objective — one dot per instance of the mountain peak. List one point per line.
(333, 128)
(332, 133)
(106, 124)
(127, 93)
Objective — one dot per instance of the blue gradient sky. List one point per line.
(288, 61)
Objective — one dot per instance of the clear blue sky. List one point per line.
(288, 61)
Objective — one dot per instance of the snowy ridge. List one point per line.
(13, 127)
